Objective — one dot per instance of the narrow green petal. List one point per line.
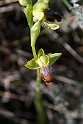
(32, 64)
(53, 57)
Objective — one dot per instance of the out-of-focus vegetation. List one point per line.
(62, 100)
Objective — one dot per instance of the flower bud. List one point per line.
(47, 74)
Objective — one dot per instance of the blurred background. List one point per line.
(62, 100)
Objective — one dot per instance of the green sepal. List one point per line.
(51, 26)
(35, 30)
(29, 16)
(38, 10)
(46, 1)
(32, 64)
(53, 57)
(38, 15)
(39, 6)
(41, 53)
(25, 2)
(44, 59)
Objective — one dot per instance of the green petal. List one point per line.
(44, 59)
(24, 2)
(53, 57)
(32, 64)
(51, 26)
(41, 53)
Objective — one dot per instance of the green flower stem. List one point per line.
(41, 116)
(34, 52)
(69, 6)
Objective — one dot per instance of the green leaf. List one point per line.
(44, 59)
(35, 30)
(41, 53)
(29, 16)
(51, 26)
(25, 2)
(53, 57)
(32, 64)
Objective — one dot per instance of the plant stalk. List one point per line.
(41, 115)
(34, 52)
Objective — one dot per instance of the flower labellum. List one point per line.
(47, 74)
(52, 16)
